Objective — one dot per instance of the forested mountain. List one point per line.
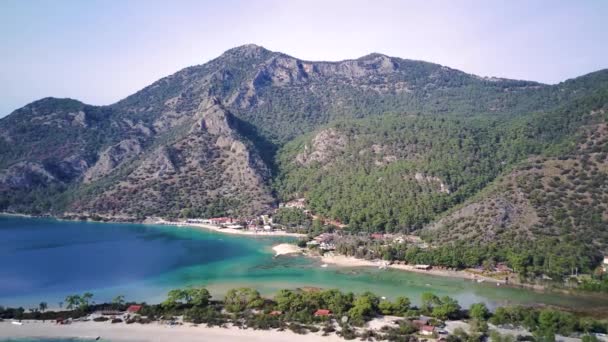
(379, 143)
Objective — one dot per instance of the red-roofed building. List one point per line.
(134, 308)
(322, 313)
(275, 313)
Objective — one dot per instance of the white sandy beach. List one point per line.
(348, 261)
(150, 332)
(230, 230)
(286, 248)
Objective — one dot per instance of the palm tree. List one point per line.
(42, 306)
(72, 301)
(85, 300)
(118, 301)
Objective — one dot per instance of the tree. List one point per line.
(479, 311)
(401, 306)
(447, 308)
(238, 300)
(72, 301)
(86, 300)
(386, 307)
(339, 303)
(364, 307)
(42, 306)
(198, 296)
(179, 296)
(118, 301)
(428, 301)
(556, 322)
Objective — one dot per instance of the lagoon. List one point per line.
(45, 260)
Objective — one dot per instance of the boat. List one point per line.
(324, 265)
(16, 323)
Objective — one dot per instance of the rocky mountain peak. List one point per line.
(247, 51)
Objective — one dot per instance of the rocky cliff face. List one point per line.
(208, 170)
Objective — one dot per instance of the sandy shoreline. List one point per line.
(348, 261)
(229, 230)
(286, 248)
(149, 332)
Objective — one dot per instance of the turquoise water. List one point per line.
(45, 260)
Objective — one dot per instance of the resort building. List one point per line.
(605, 264)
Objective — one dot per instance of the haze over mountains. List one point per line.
(380, 143)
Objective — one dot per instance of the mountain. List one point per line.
(379, 143)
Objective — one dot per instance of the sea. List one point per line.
(45, 260)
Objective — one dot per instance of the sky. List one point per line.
(102, 51)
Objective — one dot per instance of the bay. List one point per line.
(45, 260)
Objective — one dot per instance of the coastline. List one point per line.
(349, 261)
(161, 222)
(149, 332)
(229, 230)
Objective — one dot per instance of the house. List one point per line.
(605, 263)
(275, 313)
(322, 313)
(423, 267)
(427, 330)
(133, 308)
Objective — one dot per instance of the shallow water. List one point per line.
(45, 260)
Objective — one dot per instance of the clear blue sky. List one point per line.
(101, 51)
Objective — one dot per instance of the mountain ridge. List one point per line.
(379, 143)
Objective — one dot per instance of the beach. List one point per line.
(230, 230)
(348, 261)
(150, 332)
